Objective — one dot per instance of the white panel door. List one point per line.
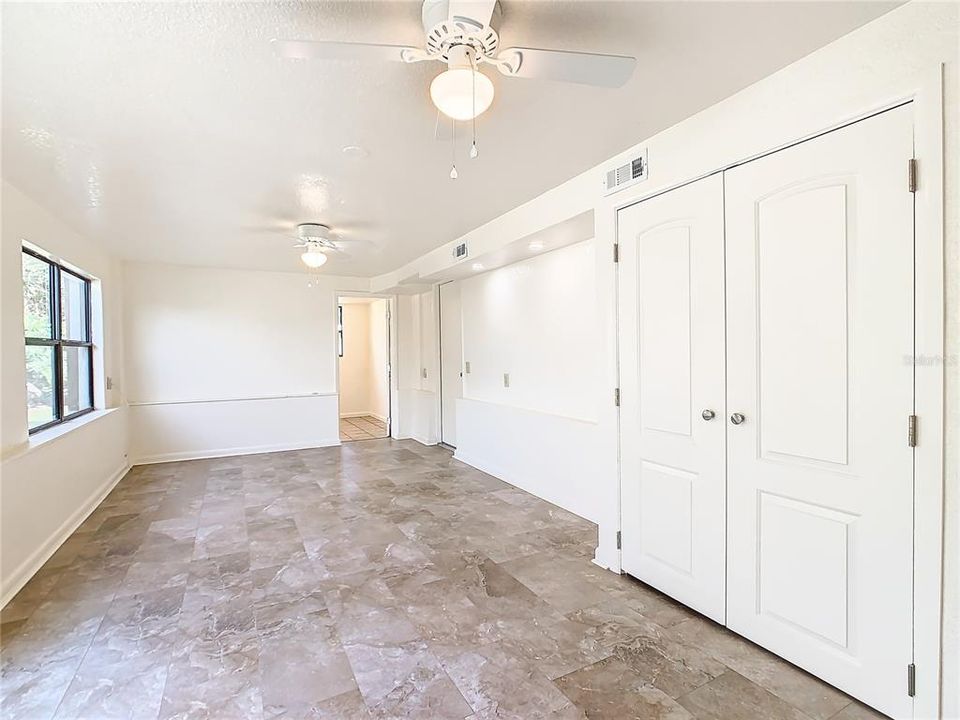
(820, 475)
(451, 361)
(672, 378)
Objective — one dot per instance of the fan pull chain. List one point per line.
(453, 152)
(473, 98)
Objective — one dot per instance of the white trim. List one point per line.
(368, 413)
(200, 401)
(500, 474)
(52, 434)
(234, 451)
(929, 395)
(534, 411)
(29, 567)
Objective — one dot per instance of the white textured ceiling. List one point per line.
(173, 133)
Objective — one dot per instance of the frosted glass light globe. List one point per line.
(452, 93)
(313, 258)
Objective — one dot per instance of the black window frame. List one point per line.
(56, 340)
(339, 329)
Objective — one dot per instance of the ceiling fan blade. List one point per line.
(575, 67)
(478, 10)
(328, 50)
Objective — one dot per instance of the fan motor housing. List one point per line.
(313, 232)
(444, 33)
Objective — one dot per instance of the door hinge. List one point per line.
(912, 175)
(619, 540)
(616, 397)
(911, 680)
(616, 252)
(912, 431)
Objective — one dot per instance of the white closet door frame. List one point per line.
(927, 101)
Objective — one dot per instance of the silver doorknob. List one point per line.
(737, 419)
(708, 414)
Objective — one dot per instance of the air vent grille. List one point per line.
(626, 174)
(460, 251)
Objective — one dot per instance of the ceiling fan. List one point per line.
(463, 34)
(317, 240)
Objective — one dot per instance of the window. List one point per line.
(59, 351)
(340, 330)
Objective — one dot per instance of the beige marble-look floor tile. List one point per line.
(28, 692)
(139, 625)
(347, 706)
(498, 684)
(405, 680)
(732, 697)
(302, 666)
(376, 579)
(129, 690)
(858, 711)
(814, 697)
(609, 690)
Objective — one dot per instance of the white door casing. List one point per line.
(451, 360)
(820, 328)
(671, 315)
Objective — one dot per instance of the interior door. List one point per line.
(820, 388)
(671, 315)
(451, 361)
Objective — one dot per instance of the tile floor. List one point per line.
(375, 580)
(362, 428)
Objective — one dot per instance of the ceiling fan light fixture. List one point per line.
(313, 257)
(452, 91)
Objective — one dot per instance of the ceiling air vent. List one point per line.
(460, 251)
(625, 175)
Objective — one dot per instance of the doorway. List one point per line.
(451, 361)
(363, 347)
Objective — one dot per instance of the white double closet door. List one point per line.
(766, 319)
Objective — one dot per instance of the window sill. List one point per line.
(45, 437)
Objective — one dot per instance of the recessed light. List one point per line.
(477, 267)
(355, 152)
(536, 245)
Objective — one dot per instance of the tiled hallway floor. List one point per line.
(362, 428)
(378, 579)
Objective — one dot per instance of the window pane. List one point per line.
(76, 379)
(41, 408)
(36, 297)
(73, 307)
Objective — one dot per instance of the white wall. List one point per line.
(50, 482)
(355, 366)
(229, 361)
(898, 56)
(535, 320)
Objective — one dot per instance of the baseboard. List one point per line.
(381, 418)
(484, 467)
(29, 567)
(501, 474)
(231, 452)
